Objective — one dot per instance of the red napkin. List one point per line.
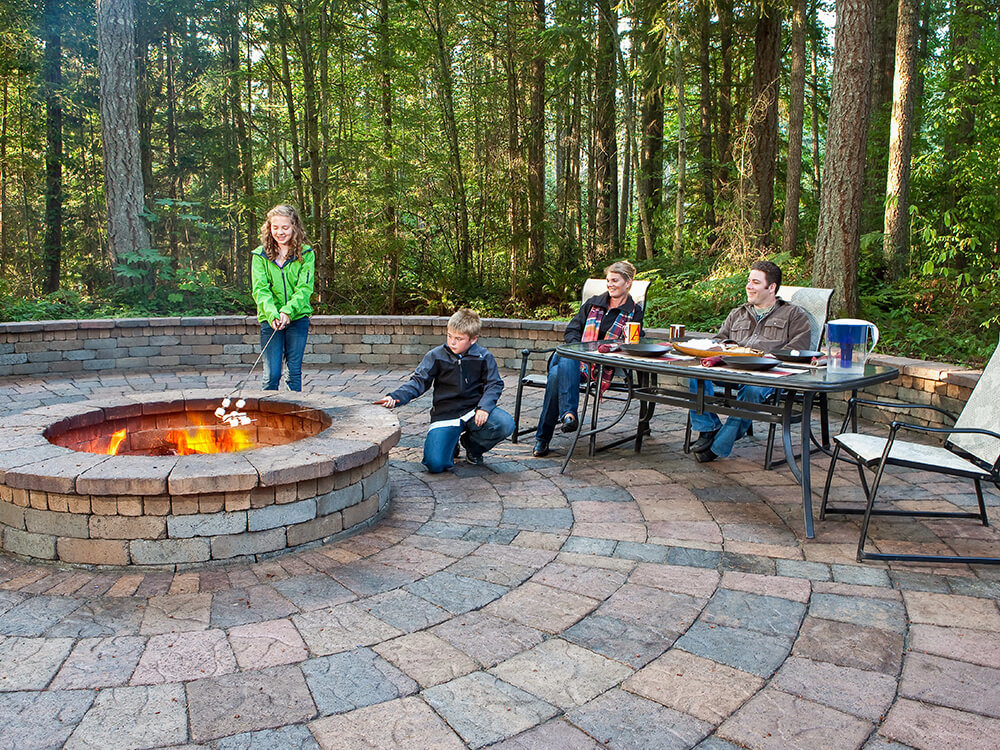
(711, 361)
(605, 348)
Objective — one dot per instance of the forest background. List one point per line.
(495, 153)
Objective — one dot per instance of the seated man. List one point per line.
(764, 322)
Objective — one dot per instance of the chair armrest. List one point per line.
(525, 353)
(901, 406)
(947, 430)
(528, 352)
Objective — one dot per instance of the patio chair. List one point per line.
(815, 301)
(591, 288)
(971, 449)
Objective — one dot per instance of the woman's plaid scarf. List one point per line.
(591, 332)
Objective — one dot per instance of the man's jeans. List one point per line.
(735, 427)
(288, 346)
(440, 443)
(562, 395)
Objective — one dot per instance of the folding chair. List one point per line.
(591, 288)
(971, 449)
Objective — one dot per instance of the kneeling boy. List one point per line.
(466, 386)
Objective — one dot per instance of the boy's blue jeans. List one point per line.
(440, 444)
(288, 346)
(735, 427)
(562, 395)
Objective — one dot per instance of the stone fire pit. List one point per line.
(319, 471)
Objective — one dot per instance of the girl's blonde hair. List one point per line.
(298, 232)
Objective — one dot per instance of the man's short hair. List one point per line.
(465, 322)
(772, 274)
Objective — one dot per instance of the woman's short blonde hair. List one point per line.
(465, 322)
(623, 268)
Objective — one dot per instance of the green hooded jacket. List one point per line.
(286, 289)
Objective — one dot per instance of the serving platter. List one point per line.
(714, 351)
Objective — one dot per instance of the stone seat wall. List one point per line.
(68, 347)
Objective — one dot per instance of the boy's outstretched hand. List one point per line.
(481, 417)
(387, 401)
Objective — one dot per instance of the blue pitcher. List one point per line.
(849, 342)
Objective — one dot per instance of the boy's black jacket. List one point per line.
(461, 383)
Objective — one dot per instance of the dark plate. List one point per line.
(804, 356)
(750, 363)
(645, 350)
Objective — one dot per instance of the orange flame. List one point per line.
(198, 438)
(205, 440)
(116, 441)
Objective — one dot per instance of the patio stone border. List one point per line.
(65, 347)
(174, 511)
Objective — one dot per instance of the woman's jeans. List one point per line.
(562, 395)
(440, 443)
(735, 427)
(288, 345)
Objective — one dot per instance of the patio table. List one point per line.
(792, 380)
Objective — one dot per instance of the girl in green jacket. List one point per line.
(283, 271)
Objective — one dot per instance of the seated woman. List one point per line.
(602, 317)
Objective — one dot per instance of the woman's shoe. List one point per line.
(569, 422)
(541, 448)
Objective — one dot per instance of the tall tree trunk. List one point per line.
(764, 118)
(705, 164)
(796, 111)
(897, 189)
(446, 95)
(52, 245)
(838, 236)
(883, 59)
(4, 208)
(127, 231)
(536, 149)
(650, 178)
(605, 134)
(311, 119)
(814, 104)
(245, 238)
(725, 129)
(290, 104)
(173, 177)
(389, 223)
(681, 139)
(515, 162)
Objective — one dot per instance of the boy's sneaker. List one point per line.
(469, 455)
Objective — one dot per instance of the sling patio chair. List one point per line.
(971, 449)
(591, 288)
(815, 301)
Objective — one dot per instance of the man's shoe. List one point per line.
(569, 422)
(474, 459)
(703, 457)
(704, 441)
(541, 448)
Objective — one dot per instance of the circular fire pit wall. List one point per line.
(305, 469)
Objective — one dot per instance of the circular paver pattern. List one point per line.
(636, 601)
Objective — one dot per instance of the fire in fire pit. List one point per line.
(183, 432)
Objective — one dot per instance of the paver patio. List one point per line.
(638, 601)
